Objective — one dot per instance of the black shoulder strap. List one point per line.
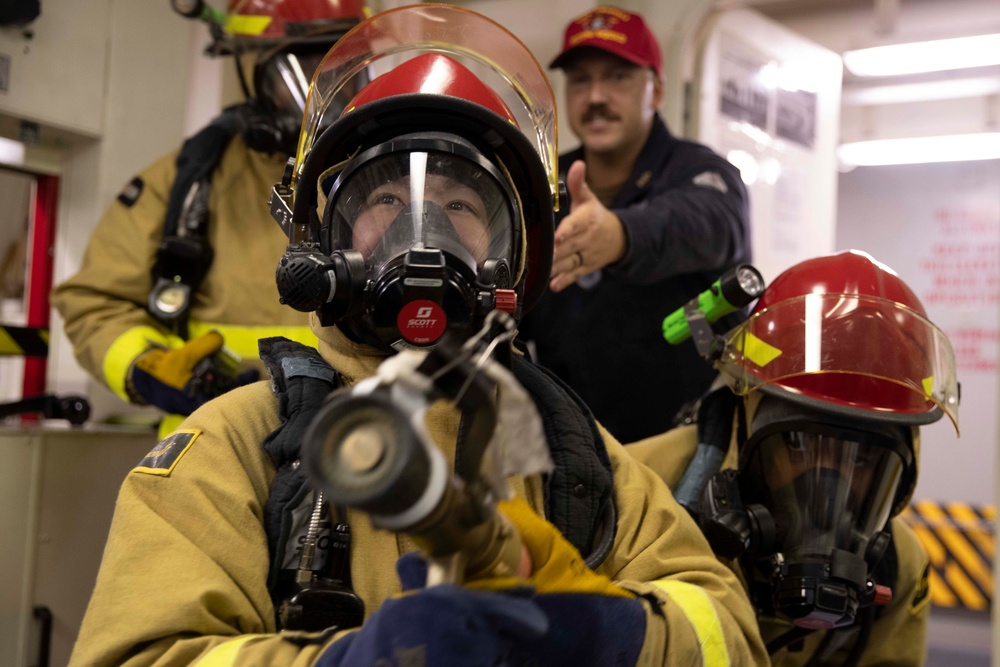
(715, 413)
(579, 497)
(301, 379)
(199, 156)
(184, 254)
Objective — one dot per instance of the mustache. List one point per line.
(599, 111)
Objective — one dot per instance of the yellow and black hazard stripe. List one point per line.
(959, 541)
(24, 341)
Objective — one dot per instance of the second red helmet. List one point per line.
(843, 332)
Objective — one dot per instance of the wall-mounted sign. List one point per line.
(743, 94)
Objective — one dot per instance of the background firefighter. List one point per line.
(170, 298)
(829, 381)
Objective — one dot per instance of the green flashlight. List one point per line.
(198, 9)
(733, 290)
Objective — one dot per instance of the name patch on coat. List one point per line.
(165, 455)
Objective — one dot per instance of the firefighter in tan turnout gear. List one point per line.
(817, 440)
(281, 522)
(176, 285)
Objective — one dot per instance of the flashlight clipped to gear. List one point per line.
(733, 290)
(198, 9)
(369, 449)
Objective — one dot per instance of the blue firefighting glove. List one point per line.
(592, 620)
(442, 625)
(180, 380)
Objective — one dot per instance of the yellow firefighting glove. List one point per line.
(179, 380)
(557, 566)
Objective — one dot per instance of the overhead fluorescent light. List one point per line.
(921, 92)
(917, 150)
(933, 56)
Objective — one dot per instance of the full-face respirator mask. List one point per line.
(433, 224)
(277, 47)
(271, 118)
(418, 232)
(807, 512)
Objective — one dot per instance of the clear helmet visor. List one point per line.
(854, 350)
(824, 492)
(487, 49)
(424, 199)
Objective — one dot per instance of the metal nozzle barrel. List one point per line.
(364, 453)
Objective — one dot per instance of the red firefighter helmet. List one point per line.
(429, 69)
(432, 74)
(277, 45)
(844, 333)
(261, 23)
(285, 40)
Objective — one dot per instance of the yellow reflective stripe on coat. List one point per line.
(700, 611)
(224, 655)
(126, 348)
(243, 339)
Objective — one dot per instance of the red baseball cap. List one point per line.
(616, 31)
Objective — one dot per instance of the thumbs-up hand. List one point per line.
(589, 238)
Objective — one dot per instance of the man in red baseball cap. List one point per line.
(652, 221)
(616, 31)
